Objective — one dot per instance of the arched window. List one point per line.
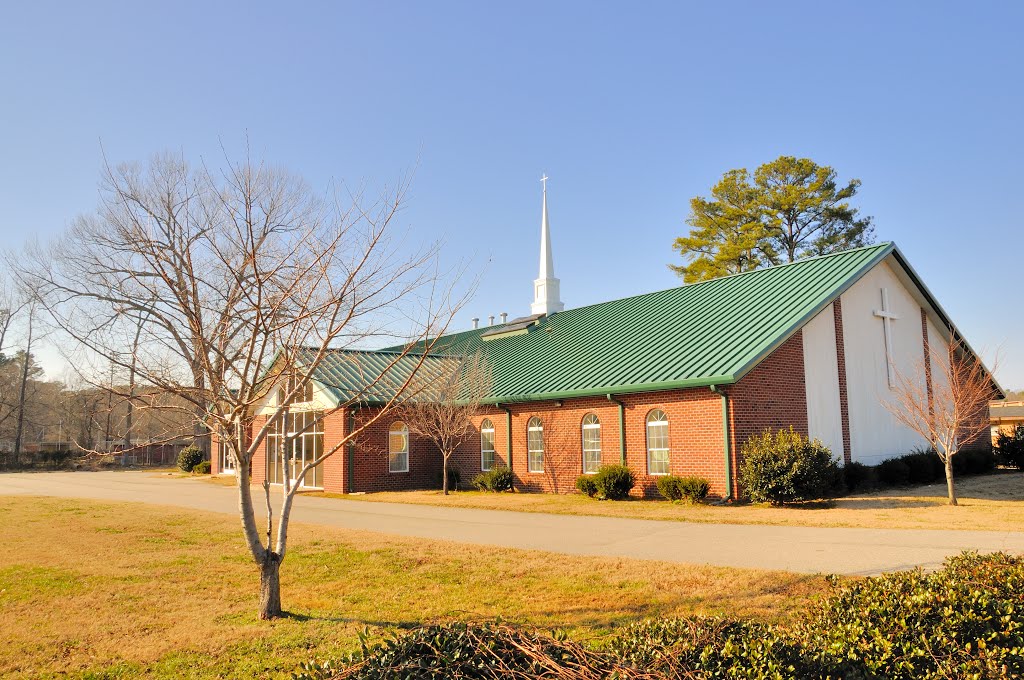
(398, 447)
(657, 442)
(486, 445)
(591, 443)
(535, 445)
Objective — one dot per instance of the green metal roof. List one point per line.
(373, 376)
(707, 333)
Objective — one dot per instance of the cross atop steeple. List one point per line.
(546, 286)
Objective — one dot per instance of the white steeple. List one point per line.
(545, 287)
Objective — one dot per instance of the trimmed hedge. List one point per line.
(692, 489)
(189, 457)
(786, 467)
(963, 621)
(201, 468)
(496, 480)
(614, 482)
(586, 485)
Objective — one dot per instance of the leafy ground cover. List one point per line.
(118, 590)
(990, 502)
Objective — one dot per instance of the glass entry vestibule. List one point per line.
(295, 441)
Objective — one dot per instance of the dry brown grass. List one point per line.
(107, 590)
(990, 502)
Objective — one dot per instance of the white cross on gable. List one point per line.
(887, 317)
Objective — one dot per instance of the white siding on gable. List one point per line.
(322, 401)
(821, 377)
(874, 434)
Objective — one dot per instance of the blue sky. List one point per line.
(631, 108)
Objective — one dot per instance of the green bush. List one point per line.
(858, 476)
(692, 489)
(973, 462)
(454, 478)
(614, 482)
(963, 621)
(201, 468)
(893, 472)
(1010, 447)
(496, 480)
(189, 457)
(924, 467)
(786, 467)
(586, 485)
(710, 647)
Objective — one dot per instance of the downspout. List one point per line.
(508, 433)
(351, 453)
(622, 427)
(725, 441)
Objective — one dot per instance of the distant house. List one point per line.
(670, 382)
(1005, 416)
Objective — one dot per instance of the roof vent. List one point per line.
(504, 317)
(476, 322)
(490, 320)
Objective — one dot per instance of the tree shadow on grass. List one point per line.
(298, 616)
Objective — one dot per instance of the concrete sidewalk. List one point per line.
(799, 549)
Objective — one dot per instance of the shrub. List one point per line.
(893, 472)
(973, 462)
(189, 457)
(963, 621)
(201, 468)
(614, 482)
(786, 467)
(858, 476)
(454, 478)
(710, 647)
(586, 485)
(1010, 447)
(693, 489)
(496, 480)
(924, 467)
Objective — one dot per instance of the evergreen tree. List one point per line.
(727, 234)
(805, 212)
(791, 208)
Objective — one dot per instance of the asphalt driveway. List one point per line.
(799, 549)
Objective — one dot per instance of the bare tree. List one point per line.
(238, 278)
(446, 400)
(945, 400)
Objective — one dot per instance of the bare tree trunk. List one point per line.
(22, 390)
(444, 474)
(950, 486)
(270, 586)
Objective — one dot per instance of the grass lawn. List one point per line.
(994, 502)
(119, 590)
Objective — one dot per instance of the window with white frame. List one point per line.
(535, 445)
(591, 443)
(294, 442)
(304, 395)
(486, 445)
(398, 447)
(657, 442)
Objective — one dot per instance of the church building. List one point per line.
(669, 382)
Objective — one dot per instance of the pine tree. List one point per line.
(792, 208)
(727, 234)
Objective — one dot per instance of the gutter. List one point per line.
(622, 427)
(725, 442)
